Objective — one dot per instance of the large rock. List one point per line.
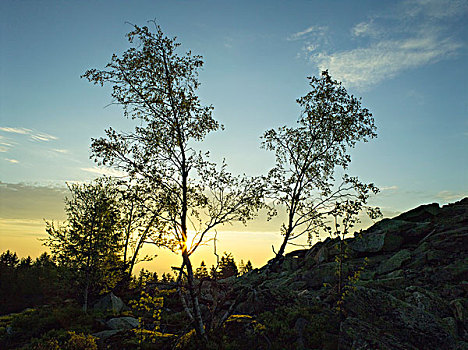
(122, 323)
(357, 334)
(104, 335)
(326, 273)
(386, 235)
(389, 235)
(378, 318)
(395, 261)
(423, 213)
(109, 303)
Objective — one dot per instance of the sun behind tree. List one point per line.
(156, 86)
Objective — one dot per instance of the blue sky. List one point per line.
(406, 59)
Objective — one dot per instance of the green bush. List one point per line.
(62, 340)
(35, 323)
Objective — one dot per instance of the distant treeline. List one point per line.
(27, 282)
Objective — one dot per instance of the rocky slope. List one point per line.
(406, 288)
(404, 285)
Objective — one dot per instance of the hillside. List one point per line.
(404, 285)
(410, 290)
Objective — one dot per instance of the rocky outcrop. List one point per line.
(408, 284)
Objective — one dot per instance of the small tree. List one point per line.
(9, 259)
(157, 86)
(89, 242)
(309, 155)
(201, 272)
(245, 268)
(227, 266)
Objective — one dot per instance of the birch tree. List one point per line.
(309, 157)
(156, 86)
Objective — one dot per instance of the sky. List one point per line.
(408, 61)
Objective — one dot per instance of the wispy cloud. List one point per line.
(388, 188)
(22, 131)
(438, 9)
(104, 171)
(364, 29)
(363, 67)
(14, 135)
(449, 196)
(5, 144)
(62, 151)
(43, 137)
(34, 135)
(315, 31)
(409, 34)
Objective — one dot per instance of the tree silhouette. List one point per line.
(309, 155)
(140, 224)
(89, 242)
(157, 87)
(227, 266)
(244, 268)
(201, 272)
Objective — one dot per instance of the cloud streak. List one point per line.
(104, 171)
(409, 34)
(34, 135)
(22, 131)
(389, 188)
(449, 196)
(363, 67)
(308, 32)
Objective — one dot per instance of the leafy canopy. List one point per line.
(157, 86)
(308, 156)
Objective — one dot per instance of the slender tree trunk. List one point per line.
(292, 212)
(133, 260)
(198, 321)
(340, 269)
(85, 296)
(287, 234)
(280, 252)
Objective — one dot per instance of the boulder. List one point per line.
(322, 255)
(460, 309)
(395, 261)
(369, 242)
(106, 334)
(427, 301)
(326, 273)
(423, 213)
(378, 318)
(109, 303)
(122, 323)
(386, 235)
(357, 334)
(389, 235)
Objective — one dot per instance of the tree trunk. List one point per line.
(285, 242)
(198, 321)
(86, 292)
(282, 248)
(292, 212)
